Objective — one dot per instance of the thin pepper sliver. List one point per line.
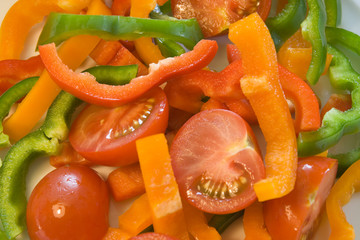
(262, 88)
(340, 195)
(161, 187)
(85, 87)
(73, 52)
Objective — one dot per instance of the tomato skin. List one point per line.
(219, 147)
(90, 130)
(214, 17)
(293, 216)
(71, 202)
(153, 236)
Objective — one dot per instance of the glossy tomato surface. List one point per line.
(71, 202)
(294, 215)
(215, 16)
(107, 136)
(216, 161)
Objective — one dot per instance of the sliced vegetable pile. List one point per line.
(178, 137)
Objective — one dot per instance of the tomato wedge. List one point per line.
(215, 16)
(107, 136)
(216, 161)
(293, 216)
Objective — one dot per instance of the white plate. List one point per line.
(350, 18)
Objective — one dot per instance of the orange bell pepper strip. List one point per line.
(14, 70)
(125, 57)
(197, 223)
(297, 60)
(254, 224)
(307, 116)
(105, 51)
(161, 187)
(341, 102)
(23, 15)
(68, 156)
(73, 52)
(85, 87)
(116, 234)
(137, 217)
(126, 182)
(340, 194)
(147, 50)
(261, 86)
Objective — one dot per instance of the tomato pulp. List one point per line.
(107, 136)
(293, 216)
(71, 202)
(216, 161)
(215, 16)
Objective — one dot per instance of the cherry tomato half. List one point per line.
(293, 216)
(71, 202)
(216, 161)
(215, 16)
(107, 136)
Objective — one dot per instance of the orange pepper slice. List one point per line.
(161, 187)
(261, 86)
(254, 224)
(73, 52)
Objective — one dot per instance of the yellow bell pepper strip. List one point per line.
(197, 224)
(23, 15)
(14, 70)
(340, 195)
(254, 224)
(137, 217)
(116, 234)
(85, 87)
(73, 52)
(147, 50)
(261, 86)
(161, 187)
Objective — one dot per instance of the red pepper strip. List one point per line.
(243, 108)
(262, 87)
(125, 57)
(68, 156)
(213, 104)
(121, 7)
(105, 51)
(13, 71)
(85, 87)
(307, 113)
(341, 102)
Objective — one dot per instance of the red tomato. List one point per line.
(215, 16)
(71, 202)
(107, 136)
(153, 236)
(293, 216)
(216, 161)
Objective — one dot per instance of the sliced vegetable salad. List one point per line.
(155, 119)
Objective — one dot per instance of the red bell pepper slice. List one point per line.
(14, 70)
(85, 87)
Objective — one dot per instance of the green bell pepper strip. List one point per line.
(313, 30)
(345, 160)
(60, 27)
(343, 37)
(44, 141)
(335, 123)
(287, 22)
(333, 12)
(168, 47)
(222, 222)
(7, 100)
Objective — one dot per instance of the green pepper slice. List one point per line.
(333, 12)
(313, 30)
(60, 26)
(335, 123)
(8, 98)
(44, 141)
(287, 22)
